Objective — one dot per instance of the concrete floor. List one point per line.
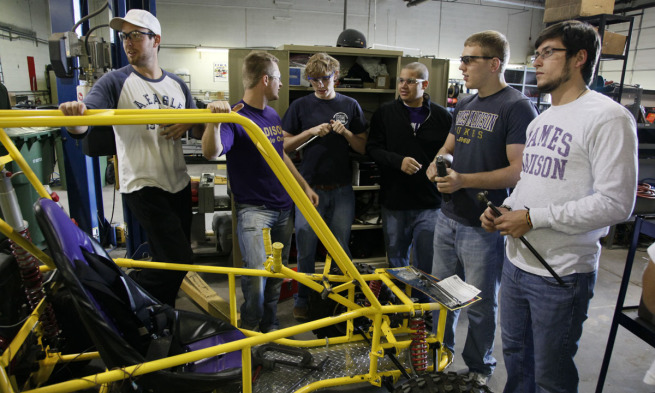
(630, 360)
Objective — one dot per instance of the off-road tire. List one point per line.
(437, 382)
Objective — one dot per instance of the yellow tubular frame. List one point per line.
(382, 335)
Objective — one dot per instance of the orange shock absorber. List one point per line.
(419, 346)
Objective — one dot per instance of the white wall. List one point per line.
(436, 28)
(29, 15)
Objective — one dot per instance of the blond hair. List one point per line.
(256, 65)
(321, 64)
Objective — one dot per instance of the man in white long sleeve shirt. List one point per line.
(579, 177)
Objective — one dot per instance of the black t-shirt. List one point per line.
(326, 160)
(483, 127)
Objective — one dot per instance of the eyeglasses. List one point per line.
(410, 81)
(135, 36)
(324, 79)
(546, 53)
(467, 59)
(275, 76)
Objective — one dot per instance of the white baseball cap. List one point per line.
(141, 18)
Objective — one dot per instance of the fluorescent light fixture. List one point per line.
(284, 18)
(539, 7)
(210, 49)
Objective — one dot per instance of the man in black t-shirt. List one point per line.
(485, 146)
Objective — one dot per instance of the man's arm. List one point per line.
(212, 146)
(313, 197)
(490, 180)
(291, 142)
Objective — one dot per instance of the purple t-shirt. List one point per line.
(252, 181)
(417, 116)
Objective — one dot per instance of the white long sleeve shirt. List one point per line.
(579, 177)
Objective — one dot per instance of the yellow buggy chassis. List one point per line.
(383, 337)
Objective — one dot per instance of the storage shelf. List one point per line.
(346, 90)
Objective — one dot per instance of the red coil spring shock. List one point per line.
(419, 346)
(376, 287)
(33, 283)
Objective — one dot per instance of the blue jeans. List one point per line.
(406, 230)
(337, 207)
(541, 325)
(477, 257)
(261, 294)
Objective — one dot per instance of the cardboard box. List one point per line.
(558, 10)
(382, 82)
(613, 43)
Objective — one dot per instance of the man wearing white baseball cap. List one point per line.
(140, 18)
(152, 172)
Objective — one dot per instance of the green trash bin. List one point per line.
(37, 146)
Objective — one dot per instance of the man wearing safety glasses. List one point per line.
(325, 125)
(151, 168)
(486, 142)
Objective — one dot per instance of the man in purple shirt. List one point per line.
(261, 201)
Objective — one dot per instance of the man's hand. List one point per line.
(176, 131)
(173, 131)
(223, 107)
(450, 183)
(338, 127)
(488, 217)
(74, 108)
(410, 166)
(313, 196)
(320, 130)
(513, 223)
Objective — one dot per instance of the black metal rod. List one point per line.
(482, 196)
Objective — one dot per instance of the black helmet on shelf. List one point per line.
(351, 38)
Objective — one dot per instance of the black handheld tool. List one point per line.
(482, 197)
(441, 171)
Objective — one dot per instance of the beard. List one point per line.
(549, 86)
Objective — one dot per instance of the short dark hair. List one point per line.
(420, 69)
(575, 36)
